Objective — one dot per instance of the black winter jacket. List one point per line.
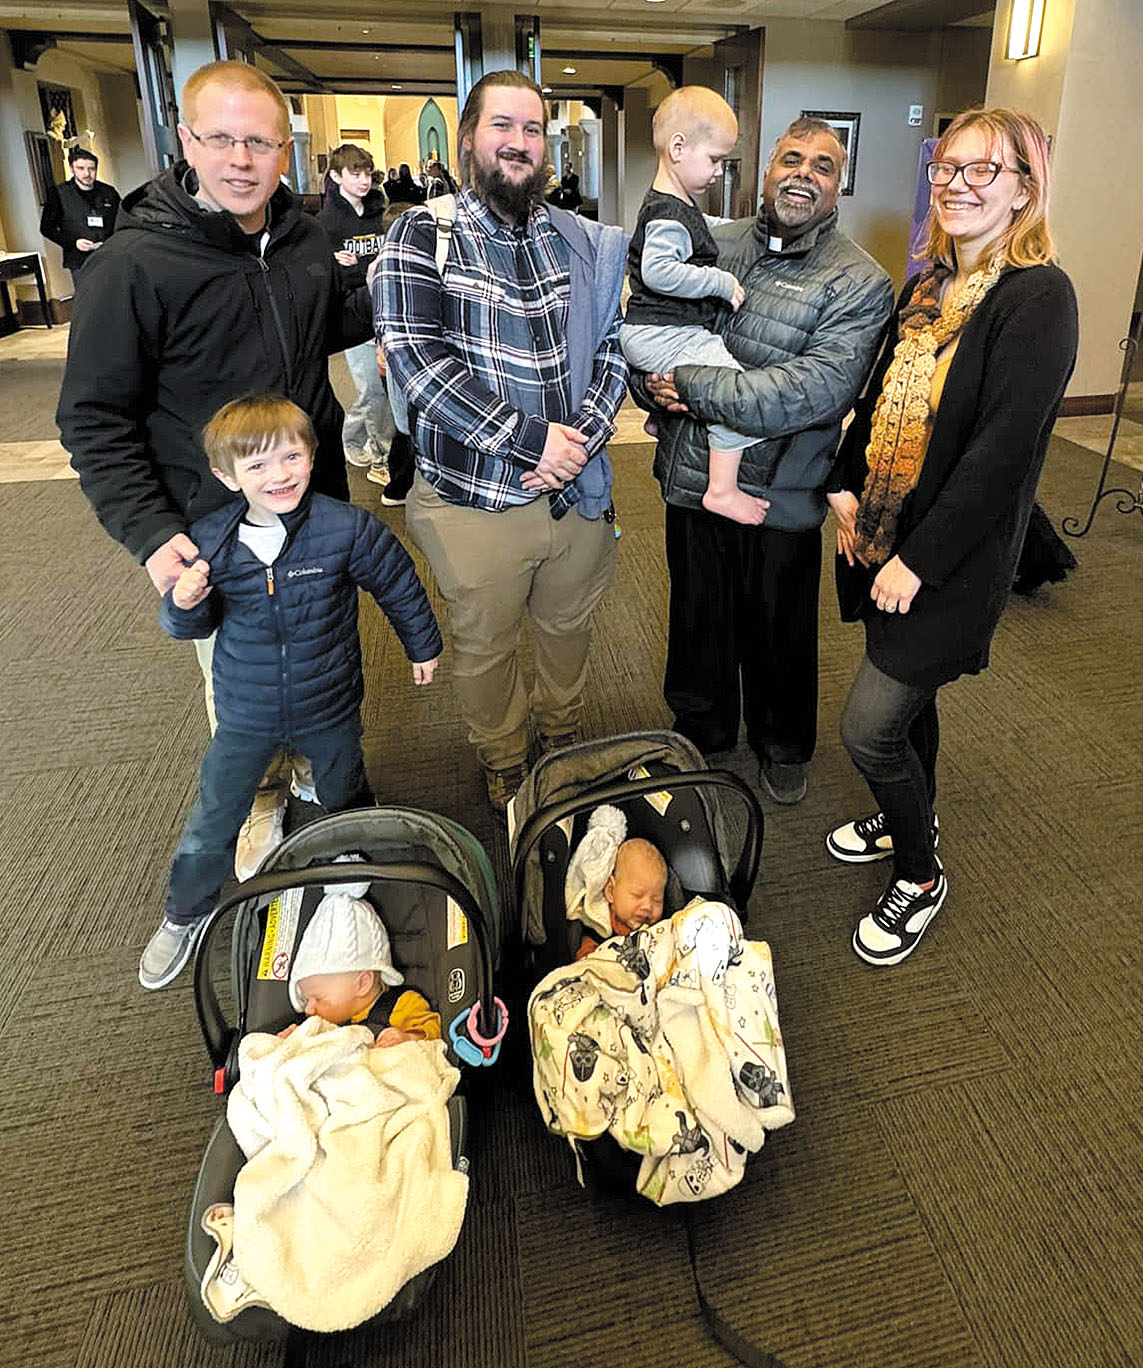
(806, 334)
(287, 660)
(65, 216)
(177, 316)
(349, 231)
(962, 527)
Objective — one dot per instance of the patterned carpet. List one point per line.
(962, 1185)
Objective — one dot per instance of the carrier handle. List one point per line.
(745, 871)
(222, 1037)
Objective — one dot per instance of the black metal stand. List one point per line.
(1126, 501)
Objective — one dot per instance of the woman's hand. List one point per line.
(844, 506)
(345, 258)
(895, 587)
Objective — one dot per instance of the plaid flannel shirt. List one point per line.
(482, 356)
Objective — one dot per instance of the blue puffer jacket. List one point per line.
(288, 657)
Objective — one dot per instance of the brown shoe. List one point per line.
(503, 783)
(558, 741)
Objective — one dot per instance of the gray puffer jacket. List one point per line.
(807, 334)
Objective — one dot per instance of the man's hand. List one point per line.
(895, 587)
(170, 560)
(345, 258)
(424, 670)
(192, 586)
(562, 460)
(844, 506)
(738, 297)
(381, 362)
(85, 245)
(662, 389)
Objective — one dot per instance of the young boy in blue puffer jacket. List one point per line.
(277, 579)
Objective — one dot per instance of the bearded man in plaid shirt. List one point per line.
(509, 359)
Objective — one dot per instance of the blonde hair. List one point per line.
(233, 76)
(694, 111)
(1027, 241)
(637, 847)
(254, 423)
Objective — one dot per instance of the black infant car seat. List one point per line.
(434, 888)
(661, 784)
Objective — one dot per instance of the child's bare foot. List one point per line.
(735, 505)
(651, 428)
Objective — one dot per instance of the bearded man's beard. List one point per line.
(514, 199)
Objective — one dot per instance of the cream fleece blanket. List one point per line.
(669, 1040)
(348, 1190)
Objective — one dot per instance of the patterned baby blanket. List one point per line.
(668, 1039)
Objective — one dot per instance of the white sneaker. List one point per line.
(358, 456)
(261, 832)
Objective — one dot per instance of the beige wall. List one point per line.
(1086, 87)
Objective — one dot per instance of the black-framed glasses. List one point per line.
(223, 142)
(974, 173)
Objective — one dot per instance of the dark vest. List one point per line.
(645, 307)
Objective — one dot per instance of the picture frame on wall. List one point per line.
(846, 126)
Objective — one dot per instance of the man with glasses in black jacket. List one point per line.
(215, 284)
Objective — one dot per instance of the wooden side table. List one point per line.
(16, 266)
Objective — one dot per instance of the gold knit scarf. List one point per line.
(900, 431)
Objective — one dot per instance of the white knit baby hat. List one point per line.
(591, 866)
(345, 934)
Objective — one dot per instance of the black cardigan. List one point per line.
(961, 528)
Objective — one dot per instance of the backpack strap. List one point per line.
(443, 209)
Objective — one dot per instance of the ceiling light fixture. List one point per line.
(546, 89)
(1024, 27)
(569, 71)
(398, 87)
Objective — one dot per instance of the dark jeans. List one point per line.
(231, 771)
(743, 625)
(892, 734)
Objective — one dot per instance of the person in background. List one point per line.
(79, 215)
(354, 222)
(933, 486)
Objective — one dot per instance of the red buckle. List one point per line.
(220, 1079)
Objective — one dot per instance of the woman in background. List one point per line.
(933, 486)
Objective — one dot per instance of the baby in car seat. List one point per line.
(343, 972)
(614, 886)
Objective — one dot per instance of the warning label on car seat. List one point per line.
(457, 926)
(281, 928)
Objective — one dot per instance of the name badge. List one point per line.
(95, 220)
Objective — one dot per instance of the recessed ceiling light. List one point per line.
(398, 87)
(546, 89)
(569, 71)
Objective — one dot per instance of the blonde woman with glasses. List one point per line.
(933, 486)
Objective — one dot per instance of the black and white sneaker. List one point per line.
(890, 933)
(867, 839)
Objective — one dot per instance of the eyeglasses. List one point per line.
(223, 142)
(975, 173)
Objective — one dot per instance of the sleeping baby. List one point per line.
(343, 972)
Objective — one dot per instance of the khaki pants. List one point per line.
(493, 569)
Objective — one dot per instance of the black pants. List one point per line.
(892, 734)
(743, 625)
(401, 465)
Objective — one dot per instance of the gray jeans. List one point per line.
(661, 349)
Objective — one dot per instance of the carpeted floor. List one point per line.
(962, 1185)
